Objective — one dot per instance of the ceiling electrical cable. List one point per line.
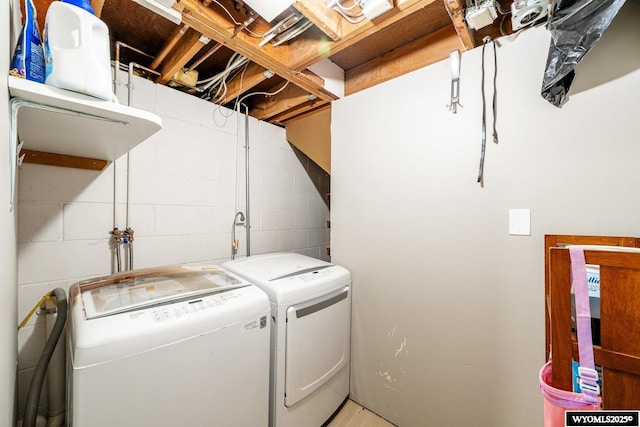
(345, 12)
(499, 9)
(354, 19)
(221, 93)
(356, 3)
(267, 94)
(228, 13)
(251, 19)
(212, 83)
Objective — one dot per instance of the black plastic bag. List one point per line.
(575, 26)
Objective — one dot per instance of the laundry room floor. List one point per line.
(354, 415)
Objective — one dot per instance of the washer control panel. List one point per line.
(187, 308)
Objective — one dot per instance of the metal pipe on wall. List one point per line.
(126, 235)
(128, 232)
(247, 222)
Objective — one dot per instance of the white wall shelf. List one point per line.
(62, 128)
(58, 121)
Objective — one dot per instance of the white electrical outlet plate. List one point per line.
(374, 8)
(269, 9)
(520, 222)
(480, 16)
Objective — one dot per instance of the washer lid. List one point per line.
(275, 266)
(134, 290)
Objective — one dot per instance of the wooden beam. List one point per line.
(97, 6)
(304, 52)
(327, 20)
(186, 48)
(168, 46)
(424, 51)
(318, 108)
(252, 76)
(455, 8)
(212, 23)
(299, 112)
(51, 159)
(290, 97)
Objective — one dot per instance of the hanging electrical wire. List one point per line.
(221, 91)
(214, 86)
(486, 41)
(355, 4)
(236, 22)
(499, 8)
(260, 93)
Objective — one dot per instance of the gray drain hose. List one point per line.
(33, 396)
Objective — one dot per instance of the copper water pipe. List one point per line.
(117, 65)
(168, 47)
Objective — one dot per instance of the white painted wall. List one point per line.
(183, 199)
(8, 279)
(448, 309)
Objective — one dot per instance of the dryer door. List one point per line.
(317, 345)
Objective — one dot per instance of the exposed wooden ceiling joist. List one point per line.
(456, 12)
(290, 97)
(215, 25)
(304, 52)
(299, 111)
(410, 57)
(185, 49)
(168, 46)
(413, 34)
(325, 19)
(97, 6)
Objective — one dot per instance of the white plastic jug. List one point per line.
(77, 53)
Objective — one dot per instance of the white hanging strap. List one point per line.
(455, 81)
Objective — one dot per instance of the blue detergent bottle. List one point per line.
(28, 58)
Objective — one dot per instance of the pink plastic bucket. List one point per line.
(557, 401)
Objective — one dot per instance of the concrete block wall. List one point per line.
(186, 183)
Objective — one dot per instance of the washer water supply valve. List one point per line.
(526, 12)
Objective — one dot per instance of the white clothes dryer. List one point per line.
(310, 340)
(168, 347)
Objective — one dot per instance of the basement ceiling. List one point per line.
(224, 42)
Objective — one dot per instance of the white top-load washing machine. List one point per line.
(310, 340)
(167, 347)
